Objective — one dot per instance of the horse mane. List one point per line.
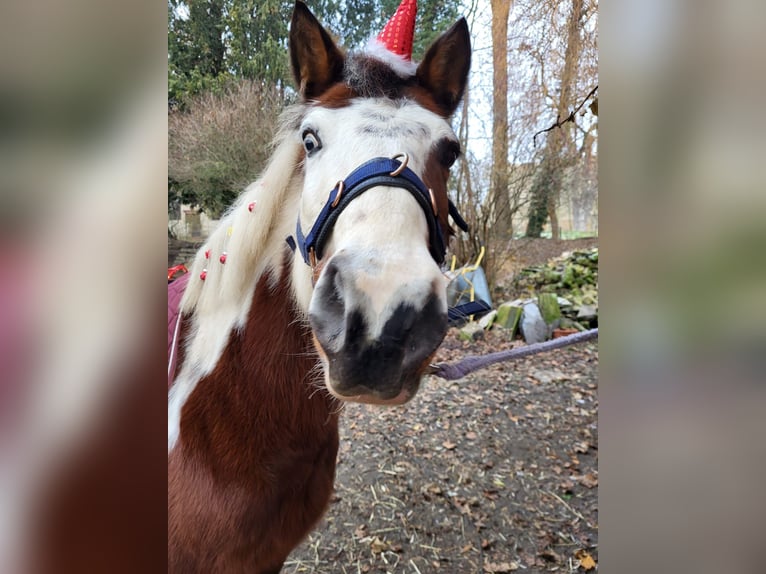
(254, 244)
(248, 237)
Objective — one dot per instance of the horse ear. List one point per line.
(316, 60)
(444, 69)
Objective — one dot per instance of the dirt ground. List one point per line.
(496, 472)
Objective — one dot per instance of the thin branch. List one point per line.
(569, 118)
(572, 510)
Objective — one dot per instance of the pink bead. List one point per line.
(207, 254)
(222, 258)
(203, 274)
(251, 206)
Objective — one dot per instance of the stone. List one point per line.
(508, 316)
(549, 307)
(567, 323)
(533, 327)
(587, 312)
(547, 377)
(487, 320)
(471, 331)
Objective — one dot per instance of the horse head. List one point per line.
(376, 147)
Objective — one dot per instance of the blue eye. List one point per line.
(311, 142)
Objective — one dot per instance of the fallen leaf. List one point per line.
(377, 545)
(448, 445)
(588, 480)
(586, 560)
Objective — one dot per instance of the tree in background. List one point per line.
(212, 41)
(225, 57)
(549, 47)
(559, 154)
(499, 180)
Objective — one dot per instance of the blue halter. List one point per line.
(380, 171)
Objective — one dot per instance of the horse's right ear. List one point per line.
(317, 62)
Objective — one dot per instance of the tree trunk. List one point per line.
(499, 179)
(558, 143)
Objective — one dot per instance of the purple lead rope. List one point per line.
(451, 372)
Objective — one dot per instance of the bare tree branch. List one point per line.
(569, 118)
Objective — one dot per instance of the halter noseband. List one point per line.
(380, 171)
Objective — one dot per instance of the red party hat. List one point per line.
(398, 33)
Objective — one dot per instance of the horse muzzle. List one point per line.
(376, 344)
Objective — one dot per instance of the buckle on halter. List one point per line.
(341, 186)
(402, 165)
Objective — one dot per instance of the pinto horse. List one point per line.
(274, 339)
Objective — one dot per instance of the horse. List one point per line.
(275, 335)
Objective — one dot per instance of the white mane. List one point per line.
(254, 244)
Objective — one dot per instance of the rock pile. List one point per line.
(557, 298)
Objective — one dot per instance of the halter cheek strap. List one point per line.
(388, 172)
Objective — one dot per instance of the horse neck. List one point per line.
(261, 401)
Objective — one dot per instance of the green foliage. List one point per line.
(434, 18)
(540, 193)
(211, 42)
(228, 78)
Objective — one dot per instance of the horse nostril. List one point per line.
(328, 308)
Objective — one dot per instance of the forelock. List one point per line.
(371, 78)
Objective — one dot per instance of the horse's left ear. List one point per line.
(444, 69)
(317, 62)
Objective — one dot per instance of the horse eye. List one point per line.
(450, 154)
(311, 142)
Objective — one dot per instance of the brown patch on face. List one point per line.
(435, 177)
(424, 98)
(337, 96)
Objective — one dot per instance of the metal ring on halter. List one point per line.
(339, 185)
(433, 202)
(312, 258)
(402, 165)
